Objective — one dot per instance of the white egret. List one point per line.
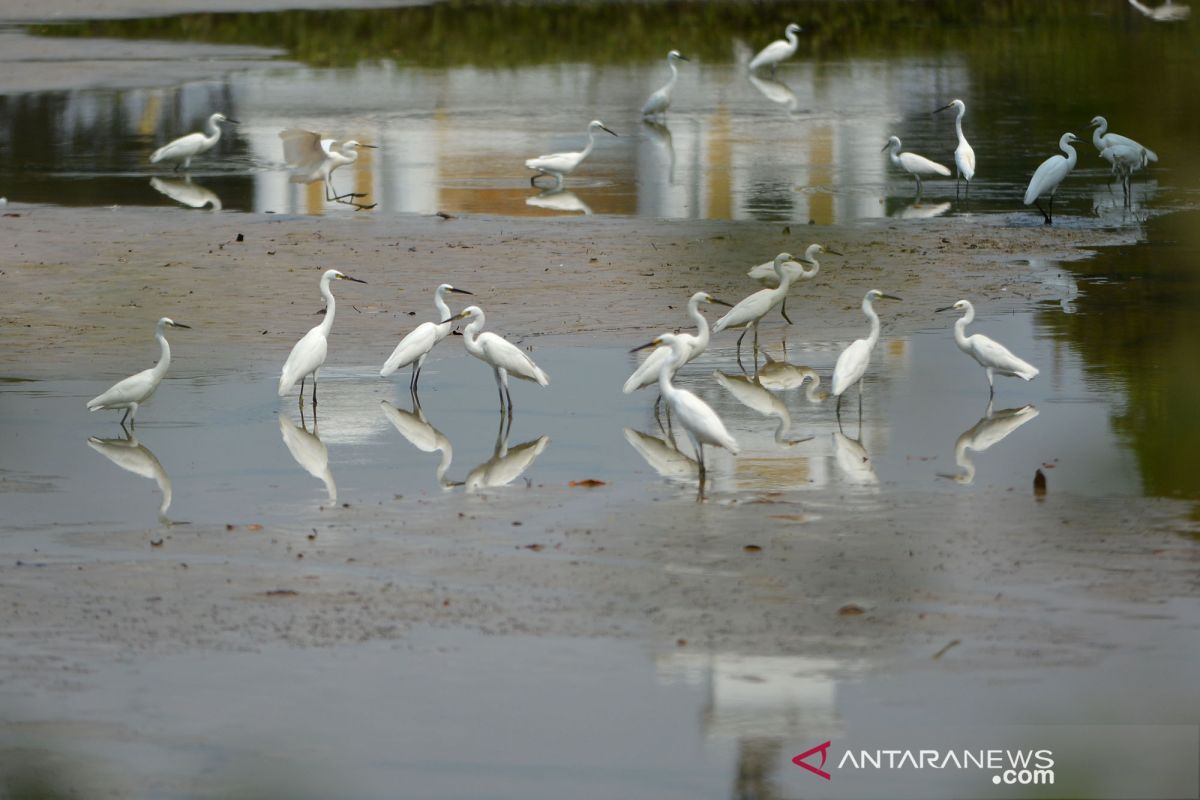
(561, 165)
(414, 427)
(702, 424)
(137, 389)
(502, 356)
(132, 456)
(1102, 139)
(1167, 12)
(765, 273)
(308, 451)
(419, 342)
(991, 429)
(308, 354)
(185, 148)
(750, 311)
(1050, 174)
(912, 163)
(964, 154)
(312, 158)
(660, 101)
(1125, 160)
(994, 357)
(853, 361)
(647, 372)
(777, 51)
(192, 195)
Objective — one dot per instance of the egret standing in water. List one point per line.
(660, 101)
(914, 164)
(308, 355)
(750, 311)
(853, 361)
(502, 356)
(185, 148)
(991, 355)
(697, 343)
(136, 389)
(312, 158)
(1102, 139)
(420, 342)
(765, 273)
(697, 417)
(1126, 160)
(777, 51)
(964, 154)
(1050, 174)
(560, 165)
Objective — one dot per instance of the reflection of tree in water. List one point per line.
(757, 762)
(771, 202)
(1136, 328)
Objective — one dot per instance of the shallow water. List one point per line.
(456, 111)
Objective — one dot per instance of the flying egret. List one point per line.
(1102, 139)
(765, 273)
(912, 163)
(560, 165)
(420, 342)
(777, 51)
(132, 456)
(991, 355)
(312, 158)
(852, 363)
(991, 429)
(1125, 160)
(750, 311)
(185, 148)
(964, 154)
(308, 355)
(702, 424)
(1050, 174)
(697, 343)
(502, 356)
(136, 389)
(660, 101)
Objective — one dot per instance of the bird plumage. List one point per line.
(135, 390)
(308, 354)
(1050, 173)
(185, 148)
(647, 371)
(964, 154)
(853, 361)
(562, 164)
(1102, 139)
(660, 101)
(994, 357)
(419, 342)
(777, 51)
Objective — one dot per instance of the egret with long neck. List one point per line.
(562, 164)
(853, 361)
(130, 393)
(765, 273)
(185, 148)
(964, 154)
(660, 101)
(419, 342)
(308, 355)
(1050, 173)
(750, 311)
(994, 357)
(502, 356)
(777, 51)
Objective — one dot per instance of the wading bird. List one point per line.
(660, 101)
(1102, 139)
(560, 165)
(964, 154)
(502, 356)
(750, 311)
(312, 158)
(420, 342)
(777, 51)
(696, 344)
(136, 389)
(1050, 174)
(994, 357)
(765, 273)
(1125, 160)
(853, 361)
(702, 424)
(185, 148)
(308, 354)
(912, 163)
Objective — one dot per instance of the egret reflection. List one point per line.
(781, 376)
(187, 193)
(663, 456)
(308, 450)
(853, 461)
(557, 198)
(919, 210)
(414, 427)
(659, 136)
(507, 463)
(1165, 12)
(132, 456)
(991, 429)
(777, 92)
(750, 393)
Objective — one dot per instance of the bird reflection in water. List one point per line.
(751, 393)
(132, 456)
(1166, 12)
(663, 456)
(659, 135)
(853, 461)
(414, 427)
(308, 450)
(919, 210)
(781, 376)
(507, 463)
(557, 198)
(777, 92)
(190, 194)
(991, 429)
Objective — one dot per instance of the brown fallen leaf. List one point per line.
(537, 548)
(254, 526)
(851, 610)
(752, 548)
(587, 483)
(156, 542)
(281, 593)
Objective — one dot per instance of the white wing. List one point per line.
(765, 273)
(1114, 139)
(964, 158)
(990, 353)
(417, 431)
(307, 355)
(500, 470)
(556, 162)
(509, 357)
(301, 148)
(701, 421)
(657, 103)
(134, 389)
(181, 148)
(420, 341)
(920, 165)
(773, 53)
(851, 365)
(1047, 177)
(662, 458)
(751, 308)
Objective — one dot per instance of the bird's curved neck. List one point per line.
(960, 327)
(810, 273)
(164, 359)
(214, 131)
(674, 74)
(330, 306)
(702, 332)
(471, 331)
(894, 154)
(439, 302)
(785, 279)
(665, 387)
(869, 310)
(1072, 156)
(958, 124)
(591, 143)
(793, 39)
(444, 463)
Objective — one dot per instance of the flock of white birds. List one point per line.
(314, 158)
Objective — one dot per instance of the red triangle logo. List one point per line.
(823, 749)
